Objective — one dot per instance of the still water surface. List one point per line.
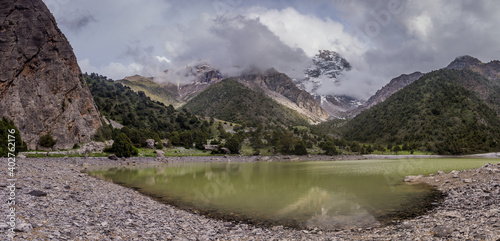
(326, 195)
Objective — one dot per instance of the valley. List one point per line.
(240, 127)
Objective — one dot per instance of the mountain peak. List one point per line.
(327, 63)
(271, 71)
(463, 62)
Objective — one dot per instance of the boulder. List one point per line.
(160, 153)
(467, 180)
(113, 157)
(442, 231)
(23, 227)
(412, 178)
(224, 150)
(211, 147)
(37, 193)
(94, 147)
(150, 143)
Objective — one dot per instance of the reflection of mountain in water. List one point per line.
(313, 199)
(296, 195)
(335, 210)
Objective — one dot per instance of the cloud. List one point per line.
(307, 32)
(425, 35)
(381, 39)
(234, 44)
(354, 83)
(163, 59)
(113, 70)
(78, 20)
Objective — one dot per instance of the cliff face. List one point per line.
(40, 88)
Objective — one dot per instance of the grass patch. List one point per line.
(44, 155)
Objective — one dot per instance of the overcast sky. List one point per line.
(380, 38)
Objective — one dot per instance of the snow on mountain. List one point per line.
(323, 73)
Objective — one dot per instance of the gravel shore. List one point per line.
(56, 201)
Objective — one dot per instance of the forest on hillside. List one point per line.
(271, 128)
(437, 113)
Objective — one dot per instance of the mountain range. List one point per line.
(304, 95)
(275, 85)
(300, 95)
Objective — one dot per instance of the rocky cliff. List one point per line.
(40, 88)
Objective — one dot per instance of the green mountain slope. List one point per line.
(445, 111)
(136, 110)
(231, 101)
(152, 89)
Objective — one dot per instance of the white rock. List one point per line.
(23, 227)
(412, 178)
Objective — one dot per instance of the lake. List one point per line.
(328, 195)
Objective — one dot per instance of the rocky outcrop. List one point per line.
(489, 70)
(338, 106)
(196, 78)
(463, 62)
(394, 86)
(40, 88)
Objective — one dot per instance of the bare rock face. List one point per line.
(40, 88)
(463, 62)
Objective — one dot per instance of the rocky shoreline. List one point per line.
(56, 201)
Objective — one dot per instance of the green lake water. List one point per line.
(327, 195)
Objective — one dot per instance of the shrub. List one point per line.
(233, 144)
(159, 145)
(123, 147)
(5, 126)
(47, 140)
(300, 149)
(329, 148)
(396, 149)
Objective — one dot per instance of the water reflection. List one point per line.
(294, 194)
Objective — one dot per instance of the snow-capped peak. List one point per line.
(326, 69)
(327, 63)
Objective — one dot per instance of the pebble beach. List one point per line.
(55, 200)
